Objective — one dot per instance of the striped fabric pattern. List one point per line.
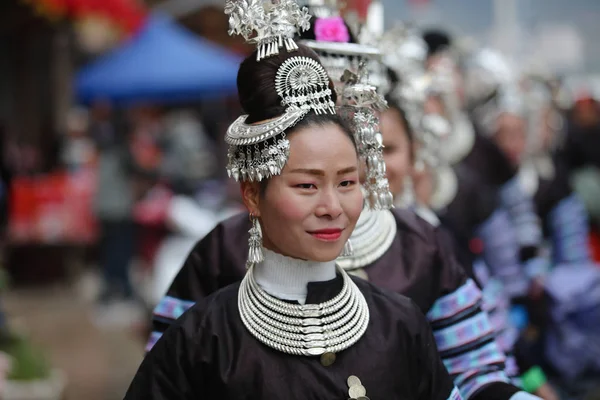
(455, 395)
(472, 384)
(167, 312)
(154, 336)
(569, 224)
(496, 304)
(522, 213)
(466, 340)
(501, 253)
(172, 308)
(487, 354)
(573, 335)
(464, 298)
(463, 333)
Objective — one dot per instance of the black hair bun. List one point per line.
(256, 84)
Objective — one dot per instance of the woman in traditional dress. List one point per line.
(296, 326)
(571, 280)
(457, 195)
(521, 369)
(397, 251)
(476, 155)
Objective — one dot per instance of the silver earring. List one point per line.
(348, 251)
(255, 253)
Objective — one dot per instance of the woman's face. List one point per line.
(396, 150)
(511, 137)
(309, 211)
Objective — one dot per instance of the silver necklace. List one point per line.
(308, 329)
(372, 237)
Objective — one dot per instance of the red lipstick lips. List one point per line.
(327, 235)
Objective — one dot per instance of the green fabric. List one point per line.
(533, 379)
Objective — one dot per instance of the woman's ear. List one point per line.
(251, 196)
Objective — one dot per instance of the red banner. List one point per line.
(54, 208)
(126, 15)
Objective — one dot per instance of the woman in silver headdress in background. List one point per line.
(443, 187)
(572, 282)
(475, 151)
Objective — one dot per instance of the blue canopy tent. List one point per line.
(163, 63)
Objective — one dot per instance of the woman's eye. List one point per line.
(305, 186)
(347, 183)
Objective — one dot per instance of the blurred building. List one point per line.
(36, 64)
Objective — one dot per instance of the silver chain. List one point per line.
(309, 329)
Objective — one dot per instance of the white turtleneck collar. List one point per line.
(287, 278)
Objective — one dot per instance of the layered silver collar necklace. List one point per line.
(321, 329)
(374, 234)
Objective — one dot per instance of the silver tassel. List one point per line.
(255, 253)
(348, 251)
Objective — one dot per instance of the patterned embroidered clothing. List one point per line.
(209, 353)
(418, 264)
(501, 253)
(573, 283)
(569, 228)
(522, 213)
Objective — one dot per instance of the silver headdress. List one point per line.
(334, 44)
(404, 52)
(492, 88)
(259, 151)
(485, 70)
(270, 24)
(506, 100)
(362, 102)
(337, 57)
(321, 8)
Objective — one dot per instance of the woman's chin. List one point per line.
(325, 255)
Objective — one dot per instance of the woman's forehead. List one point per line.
(319, 147)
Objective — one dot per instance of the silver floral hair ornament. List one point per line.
(362, 102)
(271, 24)
(259, 151)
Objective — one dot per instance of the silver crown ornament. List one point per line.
(259, 151)
(271, 24)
